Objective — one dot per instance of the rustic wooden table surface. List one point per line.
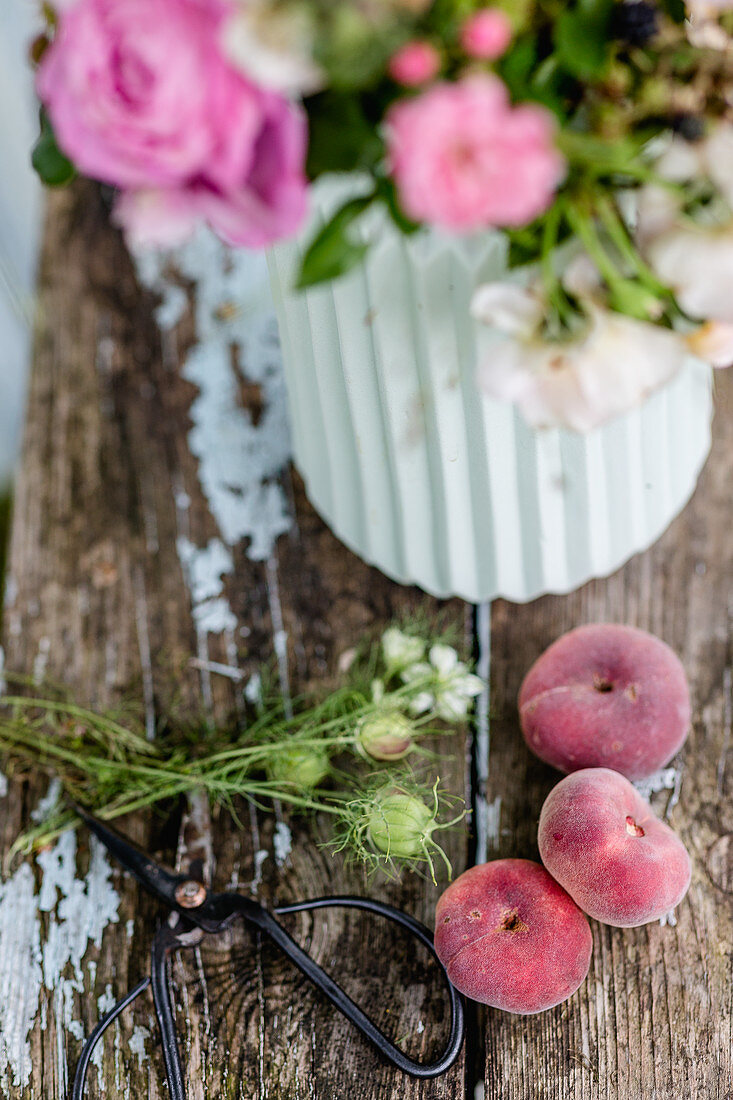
(158, 532)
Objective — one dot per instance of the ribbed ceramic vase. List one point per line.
(434, 483)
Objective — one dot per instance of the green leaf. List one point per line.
(54, 169)
(675, 9)
(342, 138)
(525, 247)
(516, 66)
(582, 39)
(388, 192)
(332, 252)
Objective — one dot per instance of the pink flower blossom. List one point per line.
(414, 64)
(142, 96)
(266, 204)
(486, 34)
(463, 158)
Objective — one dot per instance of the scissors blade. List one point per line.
(156, 879)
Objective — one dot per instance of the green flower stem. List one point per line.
(550, 279)
(597, 158)
(583, 224)
(88, 718)
(613, 224)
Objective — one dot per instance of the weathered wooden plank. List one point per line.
(144, 550)
(654, 1018)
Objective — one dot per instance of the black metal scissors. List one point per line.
(200, 912)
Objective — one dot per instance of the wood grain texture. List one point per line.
(653, 1019)
(97, 598)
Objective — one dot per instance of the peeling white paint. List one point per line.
(106, 1001)
(664, 780)
(205, 568)
(143, 643)
(239, 461)
(216, 667)
(3, 682)
(669, 919)
(259, 858)
(97, 1061)
(492, 823)
(484, 822)
(81, 909)
(214, 617)
(75, 913)
(137, 1043)
(48, 803)
(3, 785)
(11, 592)
(20, 975)
(279, 634)
(40, 664)
(253, 690)
(282, 843)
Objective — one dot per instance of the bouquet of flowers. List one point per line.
(596, 135)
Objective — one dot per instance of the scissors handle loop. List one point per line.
(234, 905)
(90, 1045)
(349, 1008)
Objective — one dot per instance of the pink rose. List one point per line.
(486, 34)
(142, 96)
(266, 203)
(414, 63)
(132, 88)
(463, 158)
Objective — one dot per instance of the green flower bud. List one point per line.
(304, 767)
(400, 824)
(386, 736)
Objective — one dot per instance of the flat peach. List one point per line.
(606, 696)
(510, 937)
(601, 841)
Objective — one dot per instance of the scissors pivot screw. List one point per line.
(190, 894)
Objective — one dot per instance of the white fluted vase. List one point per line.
(434, 483)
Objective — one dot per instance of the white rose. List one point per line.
(697, 264)
(514, 310)
(580, 383)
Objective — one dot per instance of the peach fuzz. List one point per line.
(601, 841)
(510, 937)
(606, 696)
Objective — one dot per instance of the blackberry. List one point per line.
(689, 127)
(635, 22)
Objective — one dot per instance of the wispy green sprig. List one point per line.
(359, 753)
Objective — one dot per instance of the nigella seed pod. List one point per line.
(301, 766)
(635, 22)
(400, 824)
(386, 736)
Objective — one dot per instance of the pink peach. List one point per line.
(606, 696)
(602, 842)
(510, 937)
